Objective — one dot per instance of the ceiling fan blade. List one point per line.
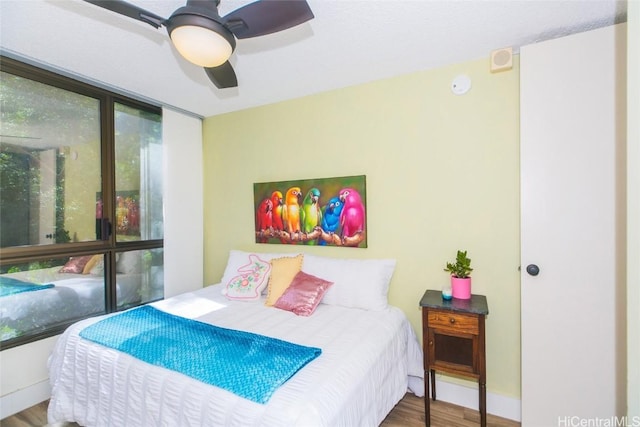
(130, 10)
(223, 76)
(266, 17)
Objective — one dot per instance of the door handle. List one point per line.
(533, 269)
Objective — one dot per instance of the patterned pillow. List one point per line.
(283, 270)
(249, 281)
(239, 258)
(303, 294)
(76, 264)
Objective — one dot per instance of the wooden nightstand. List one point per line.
(453, 343)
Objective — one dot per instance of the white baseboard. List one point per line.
(502, 406)
(20, 400)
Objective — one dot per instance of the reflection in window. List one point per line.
(79, 174)
(138, 174)
(49, 163)
(45, 293)
(140, 272)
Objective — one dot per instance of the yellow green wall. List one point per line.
(82, 183)
(442, 174)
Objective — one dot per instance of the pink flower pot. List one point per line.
(461, 288)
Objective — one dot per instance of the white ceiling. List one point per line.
(349, 42)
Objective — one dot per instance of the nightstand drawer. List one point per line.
(454, 322)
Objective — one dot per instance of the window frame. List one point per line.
(109, 246)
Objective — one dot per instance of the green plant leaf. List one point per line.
(461, 268)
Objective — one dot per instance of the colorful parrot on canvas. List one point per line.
(352, 218)
(276, 200)
(264, 217)
(311, 214)
(291, 210)
(331, 216)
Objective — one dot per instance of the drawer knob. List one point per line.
(452, 320)
(430, 342)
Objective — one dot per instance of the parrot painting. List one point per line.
(331, 216)
(264, 217)
(311, 214)
(277, 202)
(352, 218)
(291, 210)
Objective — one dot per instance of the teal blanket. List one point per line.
(10, 286)
(249, 365)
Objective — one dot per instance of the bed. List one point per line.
(370, 356)
(60, 294)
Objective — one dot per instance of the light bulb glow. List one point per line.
(201, 46)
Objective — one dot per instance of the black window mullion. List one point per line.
(108, 188)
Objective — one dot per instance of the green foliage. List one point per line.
(39, 265)
(62, 236)
(7, 332)
(461, 268)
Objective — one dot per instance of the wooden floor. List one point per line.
(408, 413)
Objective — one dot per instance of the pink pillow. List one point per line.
(76, 264)
(303, 294)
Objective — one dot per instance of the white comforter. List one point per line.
(367, 358)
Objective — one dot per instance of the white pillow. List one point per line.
(129, 262)
(238, 259)
(357, 283)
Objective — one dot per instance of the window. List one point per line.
(81, 210)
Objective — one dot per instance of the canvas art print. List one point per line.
(325, 212)
(127, 221)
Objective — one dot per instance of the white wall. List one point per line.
(24, 379)
(633, 210)
(183, 191)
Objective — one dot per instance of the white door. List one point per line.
(572, 195)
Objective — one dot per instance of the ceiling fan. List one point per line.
(205, 38)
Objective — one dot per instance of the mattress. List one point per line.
(367, 360)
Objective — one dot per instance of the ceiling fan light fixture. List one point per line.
(200, 40)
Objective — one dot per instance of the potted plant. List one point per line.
(460, 279)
